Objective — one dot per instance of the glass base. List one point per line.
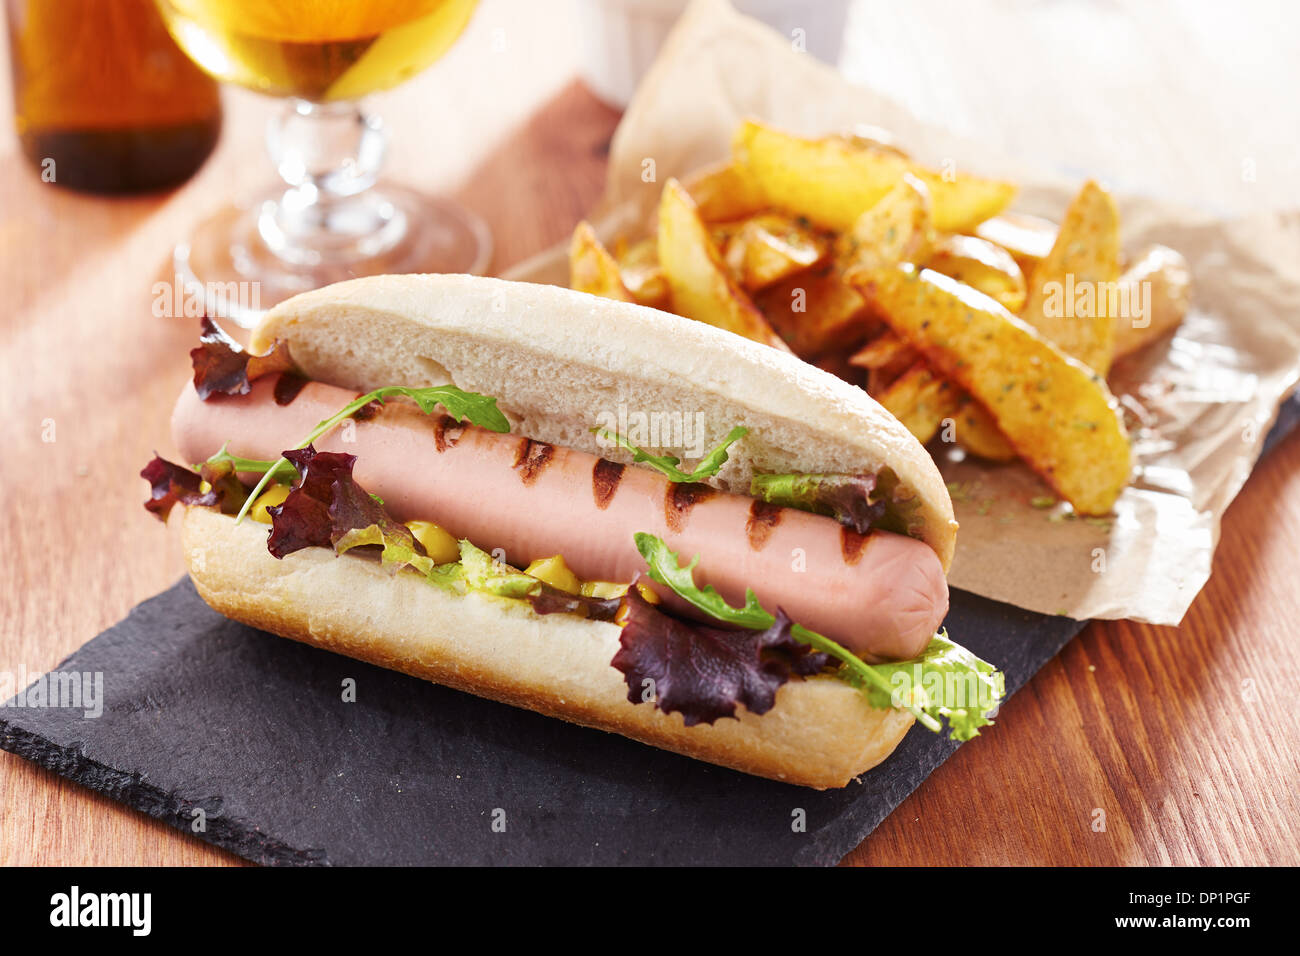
(248, 258)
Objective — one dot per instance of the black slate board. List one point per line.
(203, 713)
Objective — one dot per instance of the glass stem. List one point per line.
(329, 156)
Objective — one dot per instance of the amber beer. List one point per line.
(103, 99)
(318, 50)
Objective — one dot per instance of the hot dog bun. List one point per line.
(821, 733)
(554, 358)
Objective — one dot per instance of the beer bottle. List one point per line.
(103, 98)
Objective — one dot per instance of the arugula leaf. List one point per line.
(481, 410)
(667, 464)
(281, 470)
(909, 685)
(666, 570)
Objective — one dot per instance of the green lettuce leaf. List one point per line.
(482, 572)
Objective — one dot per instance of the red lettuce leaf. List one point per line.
(551, 600)
(702, 672)
(222, 367)
(846, 498)
(325, 505)
(171, 484)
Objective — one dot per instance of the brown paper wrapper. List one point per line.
(1206, 396)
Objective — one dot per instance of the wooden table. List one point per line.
(1184, 736)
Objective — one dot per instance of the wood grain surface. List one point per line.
(1183, 737)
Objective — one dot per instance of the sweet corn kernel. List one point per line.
(441, 545)
(274, 495)
(556, 573)
(648, 593)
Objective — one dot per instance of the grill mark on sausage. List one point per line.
(287, 387)
(367, 411)
(446, 432)
(763, 519)
(681, 498)
(852, 544)
(531, 459)
(605, 477)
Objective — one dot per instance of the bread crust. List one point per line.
(557, 360)
(821, 733)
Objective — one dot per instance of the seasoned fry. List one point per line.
(885, 349)
(888, 356)
(833, 180)
(725, 192)
(864, 135)
(885, 357)
(1028, 238)
(769, 247)
(921, 400)
(978, 432)
(816, 311)
(983, 266)
(1054, 411)
(697, 280)
(898, 228)
(1161, 281)
(1072, 292)
(642, 274)
(591, 267)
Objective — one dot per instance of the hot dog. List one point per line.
(879, 594)
(765, 655)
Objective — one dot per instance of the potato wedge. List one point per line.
(591, 267)
(834, 180)
(770, 246)
(983, 266)
(697, 280)
(888, 356)
(897, 228)
(816, 311)
(1028, 238)
(873, 137)
(642, 274)
(978, 433)
(725, 192)
(921, 399)
(1073, 292)
(885, 357)
(887, 348)
(1161, 282)
(1057, 413)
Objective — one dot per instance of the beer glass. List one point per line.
(328, 219)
